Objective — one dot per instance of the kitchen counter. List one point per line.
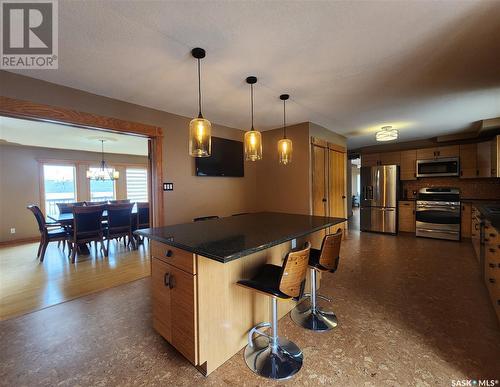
(484, 208)
(234, 237)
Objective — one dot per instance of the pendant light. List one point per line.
(285, 144)
(200, 139)
(102, 173)
(253, 139)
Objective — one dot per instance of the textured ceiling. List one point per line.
(25, 132)
(426, 67)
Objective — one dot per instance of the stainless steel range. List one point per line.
(438, 213)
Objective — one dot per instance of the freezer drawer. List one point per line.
(378, 219)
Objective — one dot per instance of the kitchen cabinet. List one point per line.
(406, 216)
(466, 220)
(468, 161)
(495, 157)
(174, 309)
(484, 159)
(492, 264)
(370, 160)
(329, 163)
(407, 170)
(438, 152)
(390, 158)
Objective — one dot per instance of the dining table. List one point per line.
(66, 219)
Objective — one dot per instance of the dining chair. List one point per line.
(141, 220)
(87, 227)
(202, 218)
(49, 232)
(119, 223)
(67, 208)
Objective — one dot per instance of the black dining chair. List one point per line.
(141, 220)
(49, 232)
(119, 223)
(67, 208)
(102, 203)
(119, 201)
(202, 218)
(87, 227)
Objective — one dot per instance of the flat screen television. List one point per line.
(226, 159)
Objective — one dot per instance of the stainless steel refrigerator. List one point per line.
(379, 193)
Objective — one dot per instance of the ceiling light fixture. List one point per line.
(253, 138)
(200, 129)
(102, 173)
(387, 134)
(285, 144)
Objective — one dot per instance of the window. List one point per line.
(59, 186)
(102, 190)
(137, 184)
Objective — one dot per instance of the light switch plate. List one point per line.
(168, 186)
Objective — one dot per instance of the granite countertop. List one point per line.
(233, 237)
(485, 209)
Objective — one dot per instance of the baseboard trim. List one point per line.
(19, 241)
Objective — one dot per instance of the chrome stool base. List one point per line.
(319, 321)
(285, 362)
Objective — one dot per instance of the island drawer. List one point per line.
(181, 259)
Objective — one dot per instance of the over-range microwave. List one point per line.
(449, 166)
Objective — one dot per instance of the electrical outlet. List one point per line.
(13, 230)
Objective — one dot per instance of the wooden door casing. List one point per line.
(319, 187)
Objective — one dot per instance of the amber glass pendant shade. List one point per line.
(285, 151)
(253, 145)
(285, 144)
(200, 137)
(200, 129)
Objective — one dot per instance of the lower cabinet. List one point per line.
(174, 306)
(406, 217)
(492, 264)
(466, 220)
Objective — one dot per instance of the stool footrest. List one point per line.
(256, 330)
(323, 297)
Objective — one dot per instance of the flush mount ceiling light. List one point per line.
(102, 173)
(200, 138)
(387, 134)
(285, 144)
(253, 139)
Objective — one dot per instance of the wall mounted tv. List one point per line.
(226, 159)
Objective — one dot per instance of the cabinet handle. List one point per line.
(492, 250)
(493, 235)
(168, 280)
(323, 200)
(492, 280)
(491, 265)
(169, 253)
(343, 196)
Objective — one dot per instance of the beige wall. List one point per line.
(192, 196)
(20, 183)
(284, 188)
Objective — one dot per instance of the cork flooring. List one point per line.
(411, 312)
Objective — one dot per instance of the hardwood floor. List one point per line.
(27, 285)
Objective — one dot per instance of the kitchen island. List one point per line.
(197, 306)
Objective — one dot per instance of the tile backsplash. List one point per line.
(488, 188)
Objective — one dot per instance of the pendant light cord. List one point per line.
(102, 155)
(251, 98)
(284, 119)
(199, 90)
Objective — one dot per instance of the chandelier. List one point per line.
(387, 134)
(103, 172)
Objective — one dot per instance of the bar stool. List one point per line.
(271, 356)
(308, 314)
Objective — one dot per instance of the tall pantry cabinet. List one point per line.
(329, 191)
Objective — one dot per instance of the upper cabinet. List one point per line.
(484, 159)
(437, 152)
(407, 170)
(495, 156)
(386, 158)
(468, 161)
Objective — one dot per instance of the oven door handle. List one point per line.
(439, 231)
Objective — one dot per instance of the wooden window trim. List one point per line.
(39, 112)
